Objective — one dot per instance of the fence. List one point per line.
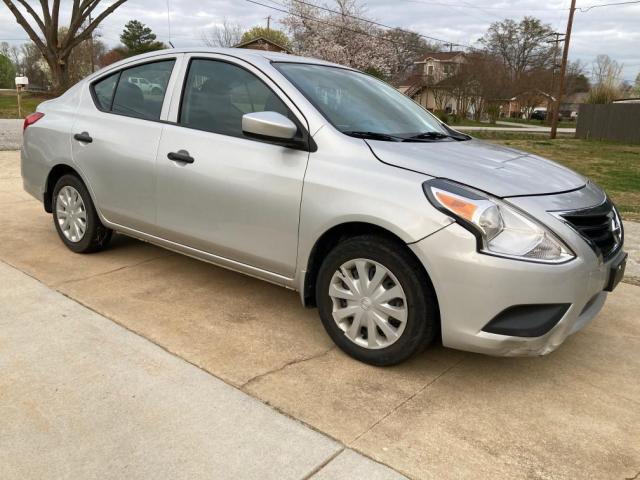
(614, 121)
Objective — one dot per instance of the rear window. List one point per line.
(136, 92)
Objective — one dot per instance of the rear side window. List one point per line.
(139, 92)
(217, 94)
(104, 90)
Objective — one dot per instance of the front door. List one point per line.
(238, 198)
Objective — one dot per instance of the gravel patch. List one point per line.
(10, 134)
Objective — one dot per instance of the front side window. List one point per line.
(137, 91)
(357, 103)
(217, 94)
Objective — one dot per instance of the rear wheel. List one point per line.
(75, 217)
(375, 301)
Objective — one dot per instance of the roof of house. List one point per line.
(261, 39)
(627, 100)
(441, 56)
(577, 97)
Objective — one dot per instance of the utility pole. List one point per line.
(563, 71)
(93, 67)
(554, 70)
(268, 22)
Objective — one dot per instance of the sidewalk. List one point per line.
(509, 127)
(81, 397)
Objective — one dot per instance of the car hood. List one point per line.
(500, 171)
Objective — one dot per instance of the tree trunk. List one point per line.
(59, 74)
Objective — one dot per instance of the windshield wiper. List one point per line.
(439, 136)
(429, 136)
(374, 136)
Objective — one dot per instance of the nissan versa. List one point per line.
(328, 181)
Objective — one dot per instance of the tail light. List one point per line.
(31, 119)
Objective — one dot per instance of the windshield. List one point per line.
(360, 105)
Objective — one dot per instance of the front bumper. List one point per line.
(473, 288)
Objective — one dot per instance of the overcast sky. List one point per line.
(614, 30)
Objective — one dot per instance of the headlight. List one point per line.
(501, 229)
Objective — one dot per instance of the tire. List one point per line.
(95, 236)
(377, 254)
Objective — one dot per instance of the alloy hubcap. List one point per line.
(369, 304)
(71, 214)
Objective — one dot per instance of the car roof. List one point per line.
(244, 53)
(250, 55)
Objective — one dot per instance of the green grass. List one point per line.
(538, 123)
(9, 104)
(614, 166)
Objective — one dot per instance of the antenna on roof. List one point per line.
(169, 23)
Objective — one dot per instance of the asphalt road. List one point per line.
(445, 414)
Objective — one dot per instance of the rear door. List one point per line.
(239, 198)
(115, 140)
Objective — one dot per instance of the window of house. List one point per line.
(430, 70)
(217, 94)
(139, 92)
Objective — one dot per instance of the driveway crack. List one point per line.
(99, 274)
(295, 361)
(405, 401)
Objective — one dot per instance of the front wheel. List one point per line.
(75, 217)
(375, 301)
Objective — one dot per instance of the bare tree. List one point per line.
(521, 46)
(56, 48)
(225, 35)
(606, 71)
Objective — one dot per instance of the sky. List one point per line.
(611, 30)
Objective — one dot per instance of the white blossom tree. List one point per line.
(340, 37)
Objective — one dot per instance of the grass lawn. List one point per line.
(538, 123)
(613, 166)
(9, 104)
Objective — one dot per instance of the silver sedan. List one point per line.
(328, 181)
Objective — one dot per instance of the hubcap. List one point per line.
(71, 214)
(369, 304)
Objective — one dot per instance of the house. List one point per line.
(425, 83)
(262, 43)
(571, 104)
(525, 103)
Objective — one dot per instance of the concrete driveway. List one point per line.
(445, 414)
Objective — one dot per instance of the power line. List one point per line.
(379, 24)
(313, 19)
(477, 7)
(586, 9)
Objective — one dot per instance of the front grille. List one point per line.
(600, 226)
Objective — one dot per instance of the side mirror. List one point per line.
(268, 126)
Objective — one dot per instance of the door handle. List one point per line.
(83, 137)
(180, 156)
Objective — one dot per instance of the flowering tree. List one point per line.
(341, 38)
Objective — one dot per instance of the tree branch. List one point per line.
(27, 28)
(86, 33)
(35, 16)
